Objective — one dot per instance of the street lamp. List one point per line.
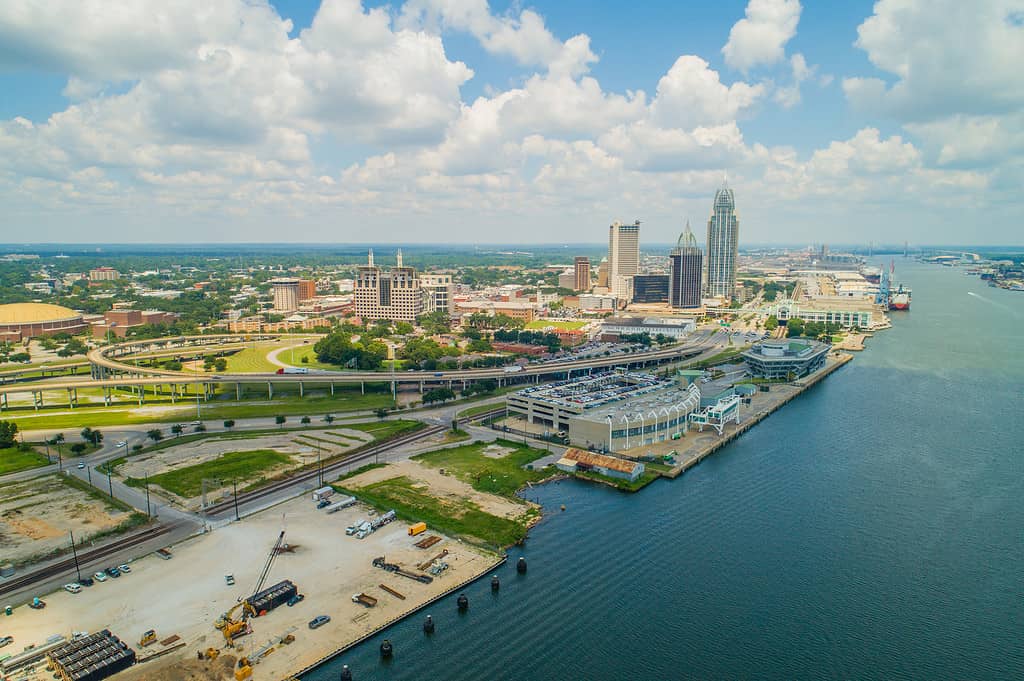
(609, 447)
(628, 421)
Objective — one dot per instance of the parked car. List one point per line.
(73, 587)
(324, 503)
(230, 579)
(6, 641)
(296, 599)
(81, 465)
(86, 581)
(113, 572)
(319, 621)
(124, 568)
(100, 576)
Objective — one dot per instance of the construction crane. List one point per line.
(233, 628)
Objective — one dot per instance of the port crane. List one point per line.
(233, 628)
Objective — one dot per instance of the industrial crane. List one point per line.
(231, 627)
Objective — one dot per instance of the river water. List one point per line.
(871, 529)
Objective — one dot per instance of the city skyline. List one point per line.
(227, 121)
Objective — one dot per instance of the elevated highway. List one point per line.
(110, 373)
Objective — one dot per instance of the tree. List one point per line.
(78, 448)
(304, 420)
(438, 395)
(176, 429)
(137, 447)
(72, 347)
(229, 424)
(92, 436)
(8, 429)
(795, 327)
(58, 440)
(380, 412)
(155, 435)
(220, 364)
(403, 328)
(280, 420)
(771, 323)
(435, 323)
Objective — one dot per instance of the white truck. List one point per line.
(323, 493)
(515, 368)
(336, 506)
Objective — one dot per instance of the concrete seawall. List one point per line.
(398, 618)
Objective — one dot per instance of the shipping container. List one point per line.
(418, 528)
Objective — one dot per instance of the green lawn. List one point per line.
(645, 479)
(188, 482)
(454, 518)
(253, 360)
(14, 459)
(504, 476)
(294, 358)
(381, 430)
(479, 409)
(556, 323)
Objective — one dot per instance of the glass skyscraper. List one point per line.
(684, 290)
(723, 238)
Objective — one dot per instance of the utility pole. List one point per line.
(110, 483)
(75, 554)
(88, 471)
(235, 485)
(148, 511)
(319, 468)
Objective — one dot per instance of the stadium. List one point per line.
(19, 321)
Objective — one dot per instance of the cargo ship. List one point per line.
(872, 274)
(900, 298)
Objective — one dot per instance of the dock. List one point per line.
(703, 445)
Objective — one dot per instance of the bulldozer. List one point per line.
(148, 638)
(243, 670)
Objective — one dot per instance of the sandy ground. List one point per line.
(36, 516)
(440, 486)
(185, 595)
(300, 446)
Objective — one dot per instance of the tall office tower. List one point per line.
(685, 271)
(437, 292)
(723, 239)
(394, 295)
(623, 258)
(286, 294)
(307, 289)
(581, 267)
(602, 273)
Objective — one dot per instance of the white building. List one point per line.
(623, 258)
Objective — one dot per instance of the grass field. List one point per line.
(504, 476)
(188, 482)
(14, 459)
(294, 358)
(479, 409)
(461, 518)
(253, 360)
(556, 323)
(645, 479)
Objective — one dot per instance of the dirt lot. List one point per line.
(441, 486)
(36, 515)
(185, 595)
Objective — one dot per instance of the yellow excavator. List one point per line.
(231, 627)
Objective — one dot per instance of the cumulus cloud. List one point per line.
(760, 37)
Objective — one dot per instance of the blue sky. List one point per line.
(459, 120)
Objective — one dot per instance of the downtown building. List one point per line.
(623, 258)
(395, 295)
(723, 241)
(286, 294)
(581, 272)
(685, 272)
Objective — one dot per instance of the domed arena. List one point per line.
(25, 320)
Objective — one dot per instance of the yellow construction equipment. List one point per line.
(211, 653)
(244, 669)
(147, 638)
(233, 628)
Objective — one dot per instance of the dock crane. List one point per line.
(233, 628)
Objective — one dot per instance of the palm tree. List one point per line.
(155, 435)
(177, 428)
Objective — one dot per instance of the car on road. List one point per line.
(296, 599)
(122, 443)
(113, 572)
(319, 621)
(124, 568)
(100, 576)
(73, 587)
(229, 580)
(196, 423)
(81, 465)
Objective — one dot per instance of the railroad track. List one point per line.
(85, 557)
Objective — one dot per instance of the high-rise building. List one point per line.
(307, 289)
(723, 239)
(395, 295)
(650, 288)
(602, 273)
(623, 258)
(581, 267)
(286, 294)
(437, 292)
(685, 271)
(104, 274)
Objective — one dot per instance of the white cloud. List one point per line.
(691, 94)
(760, 38)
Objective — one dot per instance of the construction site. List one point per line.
(258, 598)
